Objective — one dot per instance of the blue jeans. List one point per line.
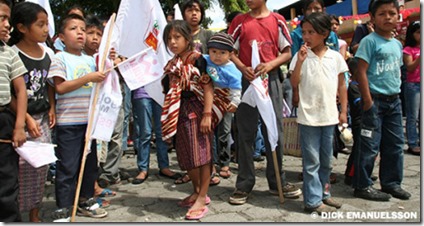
(381, 130)
(259, 142)
(145, 110)
(127, 114)
(317, 152)
(412, 99)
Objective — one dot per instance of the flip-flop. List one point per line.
(183, 179)
(201, 213)
(103, 202)
(174, 176)
(213, 180)
(106, 192)
(186, 203)
(225, 173)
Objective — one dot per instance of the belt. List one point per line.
(388, 98)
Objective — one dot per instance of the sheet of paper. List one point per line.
(37, 154)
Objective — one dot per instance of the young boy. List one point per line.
(379, 59)
(225, 75)
(269, 29)
(73, 74)
(11, 123)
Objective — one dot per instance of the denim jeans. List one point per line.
(127, 114)
(316, 143)
(412, 98)
(146, 111)
(259, 142)
(381, 130)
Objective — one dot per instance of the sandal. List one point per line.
(214, 180)
(196, 214)
(106, 192)
(183, 179)
(103, 203)
(225, 172)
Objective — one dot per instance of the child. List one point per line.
(73, 74)
(319, 73)
(264, 26)
(226, 77)
(412, 59)
(12, 124)
(30, 27)
(379, 61)
(187, 113)
(58, 44)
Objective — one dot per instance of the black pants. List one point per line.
(70, 146)
(9, 171)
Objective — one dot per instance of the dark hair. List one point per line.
(24, 13)
(412, 28)
(334, 17)
(321, 22)
(170, 13)
(6, 2)
(93, 21)
(189, 4)
(306, 3)
(67, 18)
(78, 7)
(180, 26)
(231, 16)
(352, 64)
(375, 4)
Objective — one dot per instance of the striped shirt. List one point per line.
(11, 67)
(72, 108)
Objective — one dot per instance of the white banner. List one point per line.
(140, 25)
(257, 95)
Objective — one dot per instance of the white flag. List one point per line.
(140, 25)
(37, 154)
(109, 97)
(257, 95)
(46, 5)
(177, 13)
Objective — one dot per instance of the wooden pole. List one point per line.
(90, 123)
(278, 176)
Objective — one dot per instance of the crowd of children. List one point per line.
(42, 90)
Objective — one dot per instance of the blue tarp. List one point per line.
(345, 8)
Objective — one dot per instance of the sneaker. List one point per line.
(291, 191)
(238, 197)
(320, 209)
(91, 208)
(332, 202)
(61, 215)
(397, 192)
(371, 193)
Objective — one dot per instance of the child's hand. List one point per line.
(303, 52)
(52, 118)
(96, 76)
(263, 68)
(112, 54)
(342, 119)
(231, 108)
(248, 73)
(33, 127)
(19, 137)
(205, 124)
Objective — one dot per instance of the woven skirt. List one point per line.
(193, 148)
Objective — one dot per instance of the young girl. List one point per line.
(187, 113)
(412, 59)
(319, 73)
(30, 27)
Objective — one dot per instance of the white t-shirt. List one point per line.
(318, 88)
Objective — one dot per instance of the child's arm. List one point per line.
(247, 72)
(235, 97)
(205, 124)
(264, 68)
(19, 136)
(52, 110)
(295, 74)
(363, 84)
(62, 86)
(342, 91)
(410, 64)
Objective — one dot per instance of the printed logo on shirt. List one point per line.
(81, 71)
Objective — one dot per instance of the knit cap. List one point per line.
(221, 41)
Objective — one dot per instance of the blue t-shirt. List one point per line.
(224, 76)
(296, 36)
(384, 57)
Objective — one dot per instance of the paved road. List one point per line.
(156, 199)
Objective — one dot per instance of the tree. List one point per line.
(233, 5)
